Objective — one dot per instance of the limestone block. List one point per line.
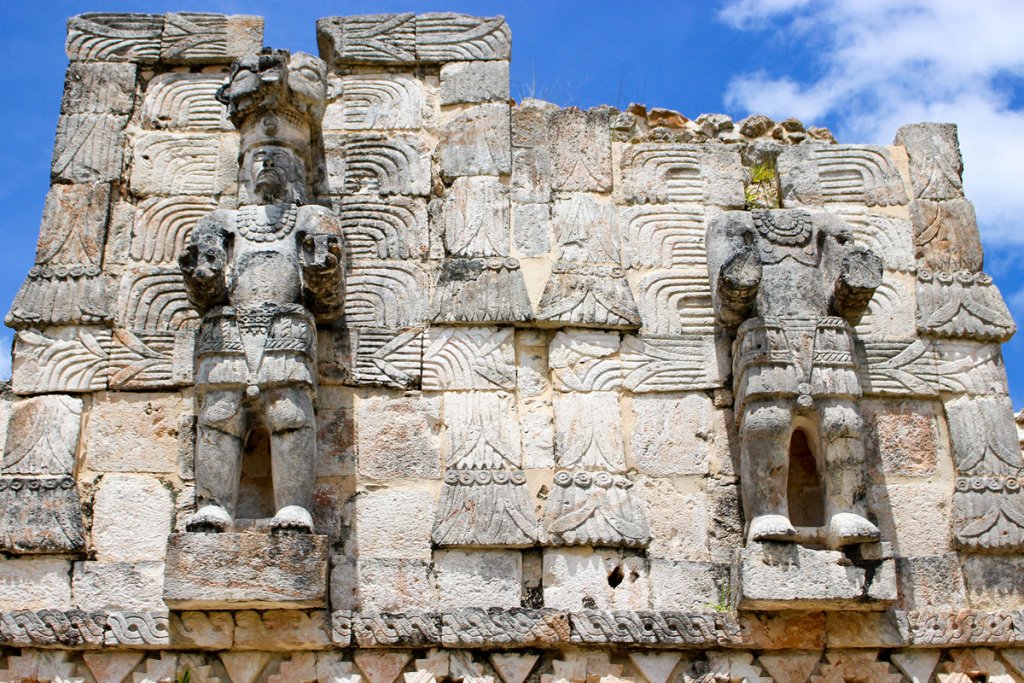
(367, 39)
(184, 101)
(170, 164)
(481, 430)
(151, 445)
(199, 38)
(891, 311)
(106, 88)
(904, 438)
(479, 627)
(788, 576)
(35, 584)
(588, 431)
(391, 228)
(61, 360)
(584, 578)
(282, 630)
(137, 629)
(946, 234)
(89, 148)
(151, 359)
(110, 37)
(915, 518)
(595, 509)
(891, 238)
(203, 630)
(154, 299)
(529, 122)
(585, 229)
(532, 364)
(531, 175)
(676, 302)
(397, 437)
(481, 290)
(690, 586)
(538, 434)
(386, 294)
(994, 582)
(676, 434)
(386, 357)
(851, 174)
(933, 152)
(469, 358)
(395, 585)
(474, 218)
(40, 515)
(580, 144)
(479, 578)
(162, 225)
(962, 305)
(678, 516)
(587, 295)
(468, 82)
(239, 571)
(449, 37)
(927, 582)
(529, 228)
(476, 142)
(485, 507)
(394, 523)
(661, 173)
(62, 295)
(112, 586)
(335, 433)
(378, 102)
(132, 516)
(585, 361)
(377, 164)
(663, 235)
(42, 435)
(653, 363)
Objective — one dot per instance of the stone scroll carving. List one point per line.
(262, 277)
(791, 284)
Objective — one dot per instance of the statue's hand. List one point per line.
(203, 266)
(320, 252)
(742, 272)
(859, 276)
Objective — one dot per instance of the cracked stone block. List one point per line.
(479, 578)
(118, 586)
(468, 82)
(35, 584)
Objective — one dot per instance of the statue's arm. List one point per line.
(203, 263)
(860, 274)
(738, 282)
(323, 265)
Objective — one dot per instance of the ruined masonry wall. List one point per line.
(527, 292)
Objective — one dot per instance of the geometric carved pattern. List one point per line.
(658, 174)
(42, 437)
(391, 228)
(385, 294)
(676, 302)
(594, 509)
(663, 236)
(685, 363)
(962, 304)
(40, 515)
(114, 37)
(385, 165)
(457, 38)
(67, 361)
(162, 225)
(469, 358)
(178, 101)
(170, 164)
(379, 102)
(155, 300)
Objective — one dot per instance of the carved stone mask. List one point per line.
(273, 173)
(307, 77)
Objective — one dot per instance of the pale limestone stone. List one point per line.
(656, 668)
(476, 142)
(917, 665)
(381, 667)
(690, 586)
(111, 666)
(513, 667)
(449, 37)
(282, 630)
(170, 164)
(205, 38)
(244, 667)
(891, 313)
(926, 582)
(99, 89)
(394, 523)
(678, 516)
(466, 82)
(394, 585)
(915, 518)
(586, 578)
(790, 667)
(89, 148)
(583, 360)
(538, 433)
(368, 39)
(178, 101)
(131, 518)
(474, 218)
(588, 431)
(581, 153)
(119, 586)
(42, 435)
(936, 168)
(397, 436)
(994, 582)
(481, 430)
(336, 450)
(530, 225)
(585, 229)
(905, 438)
(152, 443)
(469, 358)
(35, 584)
(532, 364)
(480, 578)
(61, 360)
(676, 434)
(377, 102)
(203, 630)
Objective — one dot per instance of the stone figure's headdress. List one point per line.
(276, 97)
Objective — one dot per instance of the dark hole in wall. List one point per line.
(806, 499)
(615, 576)
(256, 490)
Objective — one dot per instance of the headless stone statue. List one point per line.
(790, 284)
(263, 277)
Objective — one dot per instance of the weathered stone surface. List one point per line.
(918, 519)
(377, 164)
(930, 582)
(386, 294)
(35, 584)
(42, 435)
(469, 358)
(962, 305)
(203, 630)
(114, 37)
(595, 509)
(676, 303)
(690, 586)
(476, 143)
(398, 437)
(657, 173)
(481, 578)
(118, 586)
(382, 533)
(40, 515)
(585, 361)
(395, 585)
(137, 629)
(905, 438)
(88, 148)
(936, 168)
(449, 37)
(588, 431)
(388, 629)
(371, 38)
(170, 164)
(239, 571)
(654, 363)
(469, 82)
(49, 627)
(474, 218)
(588, 296)
(854, 174)
(652, 628)
(481, 290)
(136, 536)
(151, 359)
(387, 357)
(378, 102)
(782, 576)
(485, 508)
(530, 228)
(584, 578)
(178, 101)
(152, 444)
(197, 38)
(946, 235)
(893, 239)
(105, 88)
(675, 434)
(282, 630)
(580, 150)
(477, 627)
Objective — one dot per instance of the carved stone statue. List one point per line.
(263, 277)
(790, 284)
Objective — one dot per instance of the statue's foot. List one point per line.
(846, 528)
(771, 528)
(210, 519)
(292, 519)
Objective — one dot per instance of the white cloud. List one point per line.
(883, 63)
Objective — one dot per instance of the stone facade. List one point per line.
(560, 396)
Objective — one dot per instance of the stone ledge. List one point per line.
(482, 629)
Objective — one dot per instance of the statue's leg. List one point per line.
(842, 447)
(292, 455)
(765, 428)
(218, 459)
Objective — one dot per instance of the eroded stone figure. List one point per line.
(790, 284)
(263, 277)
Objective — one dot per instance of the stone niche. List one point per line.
(557, 395)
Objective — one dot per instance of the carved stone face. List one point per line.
(307, 76)
(273, 173)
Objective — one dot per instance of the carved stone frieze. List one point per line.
(489, 290)
(42, 435)
(583, 295)
(475, 627)
(961, 305)
(483, 507)
(51, 627)
(653, 628)
(40, 515)
(849, 174)
(594, 509)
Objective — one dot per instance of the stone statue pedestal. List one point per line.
(787, 576)
(245, 571)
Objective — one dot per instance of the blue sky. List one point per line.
(860, 68)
